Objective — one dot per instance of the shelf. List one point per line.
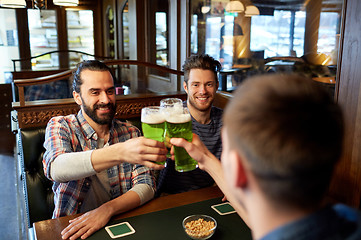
(79, 27)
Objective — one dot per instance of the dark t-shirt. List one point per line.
(171, 181)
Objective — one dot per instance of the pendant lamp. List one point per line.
(13, 3)
(68, 3)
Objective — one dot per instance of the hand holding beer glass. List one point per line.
(153, 124)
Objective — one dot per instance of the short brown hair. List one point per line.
(202, 61)
(93, 65)
(291, 132)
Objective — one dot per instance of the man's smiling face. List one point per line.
(201, 89)
(97, 96)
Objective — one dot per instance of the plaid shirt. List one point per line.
(72, 133)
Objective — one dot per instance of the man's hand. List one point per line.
(86, 224)
(144, 151)
(196, 149)
(138, 150)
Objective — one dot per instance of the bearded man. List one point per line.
(99, 166)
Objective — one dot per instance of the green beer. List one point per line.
(153, 125)
(180, 126)
(170, 106)
(153, 131)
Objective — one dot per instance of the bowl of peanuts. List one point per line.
(199, 226)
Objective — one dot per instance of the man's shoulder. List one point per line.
(217, 110)
(122, 127)
(347, 212)
(63, 119)
(350, 219)
(333, 222)
(120, 123)
(216, 114)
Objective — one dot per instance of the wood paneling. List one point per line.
(346, 185)
(38, 113)
(7, 139)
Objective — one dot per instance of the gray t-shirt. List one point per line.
(171, 181)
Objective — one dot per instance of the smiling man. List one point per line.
(201, 84)
(98, 165)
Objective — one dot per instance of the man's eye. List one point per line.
(94, 92)
(111, 92)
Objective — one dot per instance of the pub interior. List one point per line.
(145, 43)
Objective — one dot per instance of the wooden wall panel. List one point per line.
(346, 185)
(38, 113)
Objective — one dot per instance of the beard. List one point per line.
(104, 119)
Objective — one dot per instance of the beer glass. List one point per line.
(153, 124)
(179, 125)
(170, 106)
(171, 102)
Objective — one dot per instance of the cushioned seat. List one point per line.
(38, 194)
(39, 197)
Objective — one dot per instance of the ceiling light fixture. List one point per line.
(205, 9)
(68, 3)
(251, 10)
(13, 3)
(39, 4)
(234, 7)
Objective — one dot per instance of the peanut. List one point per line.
(199, 228)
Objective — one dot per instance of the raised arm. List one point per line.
(209, 163)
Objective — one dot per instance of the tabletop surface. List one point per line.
(328, 80)
(168, 209)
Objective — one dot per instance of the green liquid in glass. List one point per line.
(183, 162)
(155, 132)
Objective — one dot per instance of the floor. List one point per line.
(10, 220)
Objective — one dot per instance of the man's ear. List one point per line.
(77, 98)
(240, 177)
(185, 87)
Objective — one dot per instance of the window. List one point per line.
(161, 38)
(9, 46)
(159, 32)
(43, 38)
(298, 37)
(272, 34)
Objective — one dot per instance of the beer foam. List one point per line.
(179, 118)
(176, 109)
(153, 118)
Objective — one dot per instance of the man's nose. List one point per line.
(104, 98)
(202, 89)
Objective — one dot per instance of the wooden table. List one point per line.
(50, 229)
(236, 69)
(328, 80)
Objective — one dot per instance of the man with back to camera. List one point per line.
(282, 138)
(200, 84)
(95, 161)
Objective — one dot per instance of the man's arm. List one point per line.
(88, 223)
(77, 165)
(141, 192)
(60, 142)
(138, 150)
(209, 163)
